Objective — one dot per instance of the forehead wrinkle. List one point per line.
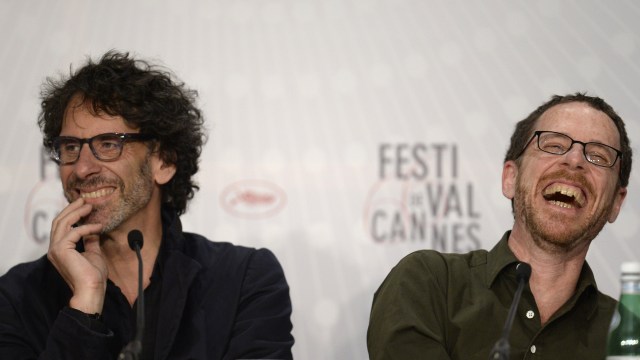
(80, 114)
(559, 115)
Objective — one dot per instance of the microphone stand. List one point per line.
(133, 350)
(502, 349)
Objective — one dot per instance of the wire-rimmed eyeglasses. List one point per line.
(105, 147)
(559, 144)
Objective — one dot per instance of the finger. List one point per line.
(64, 223)
(92, 243)
(71, 207)
(72, 214)
(88, 231)
(93, 253)
(69, 239)
(65, 258)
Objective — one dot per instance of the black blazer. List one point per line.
(217, 301)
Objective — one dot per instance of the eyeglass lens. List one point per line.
(104, 147)
(596, 153)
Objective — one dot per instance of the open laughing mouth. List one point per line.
(564, 196)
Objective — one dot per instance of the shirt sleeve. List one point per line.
(28, 330)
(262, 329)
(75, 336)
(70, 337)
(408, 316)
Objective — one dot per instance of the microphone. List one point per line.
(133, 350)
(501, 350)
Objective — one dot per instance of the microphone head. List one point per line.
(523, 271)
(135, 239)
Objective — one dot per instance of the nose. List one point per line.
(575, 158)
(87, 164)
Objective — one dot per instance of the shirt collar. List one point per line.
(498, 259)
(171, 239)
(501, 257)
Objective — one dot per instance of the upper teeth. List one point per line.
(566, 190)
(95, 194)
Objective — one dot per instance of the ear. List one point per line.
(621, 193)
(509, 174)
(162, 172)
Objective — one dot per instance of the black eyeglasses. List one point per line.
(105, 147)
(559, 144)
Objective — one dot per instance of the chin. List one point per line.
(108, 222)
(563, 241)
(555, 246)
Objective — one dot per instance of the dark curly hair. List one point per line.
(525, 128)
(149, 98)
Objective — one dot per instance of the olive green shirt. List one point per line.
(454, 306)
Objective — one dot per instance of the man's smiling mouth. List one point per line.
(565, 196)
(97, 193)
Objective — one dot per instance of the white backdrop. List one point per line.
(343, 133)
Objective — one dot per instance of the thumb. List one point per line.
(92, 243)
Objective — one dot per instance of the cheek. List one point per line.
(525, 180)
(64, 174)
(611, 191)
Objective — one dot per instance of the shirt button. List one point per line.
(530, 314)
(533, 349)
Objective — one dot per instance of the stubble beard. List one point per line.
(130, 200)
(553, 234)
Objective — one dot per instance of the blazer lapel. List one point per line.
(179, 273)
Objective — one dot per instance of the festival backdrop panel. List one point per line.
(343, 134)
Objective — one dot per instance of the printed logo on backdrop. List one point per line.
(44, 201)
(420, 198)
(253, 199)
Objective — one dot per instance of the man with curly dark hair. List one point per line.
(202, 300)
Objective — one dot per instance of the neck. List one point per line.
(554, 276)
(122, 261)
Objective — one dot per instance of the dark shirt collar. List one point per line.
(171, 239)
(171, 228)
(501, 258)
